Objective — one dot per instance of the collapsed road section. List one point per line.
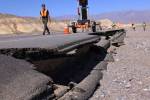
(64, 67)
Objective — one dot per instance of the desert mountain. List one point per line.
(10, 24)
(124, 17)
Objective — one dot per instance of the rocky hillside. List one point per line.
(105, 23)
(11, 24)
(126, 16)
(131, 16)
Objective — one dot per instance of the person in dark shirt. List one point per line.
(133, 26)
(144, 26)
(45, 18)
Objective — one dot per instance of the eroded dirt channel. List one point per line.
(66, 69)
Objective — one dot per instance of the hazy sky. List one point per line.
(69, 7)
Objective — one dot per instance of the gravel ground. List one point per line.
(128, 78)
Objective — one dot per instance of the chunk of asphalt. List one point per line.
(103, 43)
(86, 87)
(18, 80)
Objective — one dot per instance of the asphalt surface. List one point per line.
(40, 41)
(14, 36)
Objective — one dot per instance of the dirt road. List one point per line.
(128, 78)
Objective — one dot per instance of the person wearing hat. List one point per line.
(45, 18)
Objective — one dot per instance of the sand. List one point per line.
(128, 78)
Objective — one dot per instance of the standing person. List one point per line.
(144, 26)
(93, 26)
(133, 27)
(113, 25)
(45, 18)
(100, 26)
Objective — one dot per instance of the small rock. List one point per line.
(147, 49)
(124, 69)
(128, 85)
(121, 98)
(103, 94)
(140, 82)
(130, 79)
(147, 89)
(119, 81)
(116, 60)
